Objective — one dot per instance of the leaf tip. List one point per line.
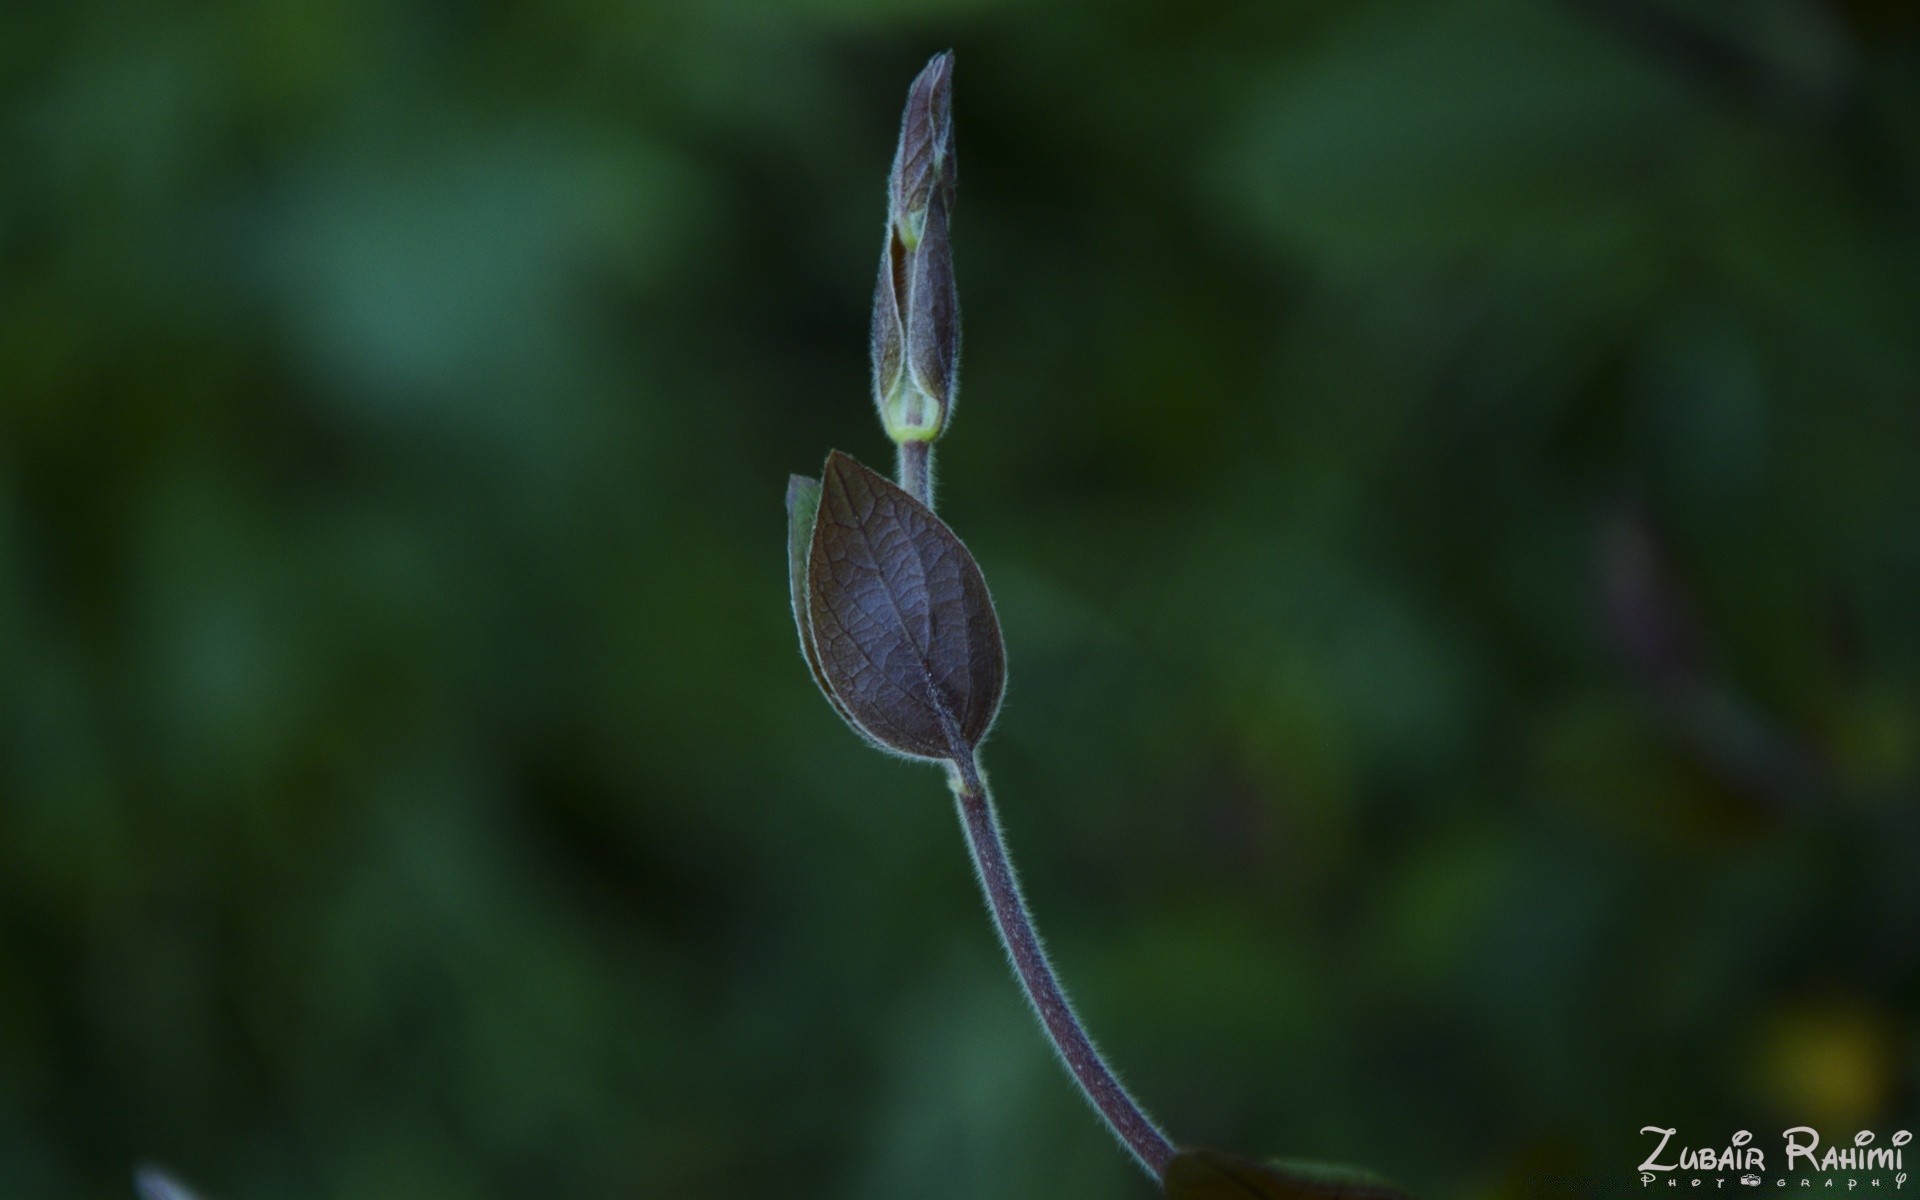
(799, 488)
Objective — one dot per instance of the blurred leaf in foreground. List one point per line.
(1213, 1175)
(154, 1184)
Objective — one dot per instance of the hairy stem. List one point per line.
(916, 470)
(1102, 1087)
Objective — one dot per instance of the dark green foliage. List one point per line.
(407, 784)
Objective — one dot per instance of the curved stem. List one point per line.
(1102, 1087)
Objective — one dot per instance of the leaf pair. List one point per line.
(1213, 1175)
(893, 613)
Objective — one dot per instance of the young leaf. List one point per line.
(887, 343)
(933, 311)
(923, 160)
(904, 631)
(803, 506)
(1213, 1175)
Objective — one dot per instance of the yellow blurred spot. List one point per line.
(1828, 1067)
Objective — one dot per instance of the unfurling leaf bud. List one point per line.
(894, 617)
(923, 161)
(916, 310)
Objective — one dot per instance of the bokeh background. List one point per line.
(1450, 473)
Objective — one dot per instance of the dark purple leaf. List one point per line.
(1214, 1175)
(903, 629)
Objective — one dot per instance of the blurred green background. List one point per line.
(1450, 473)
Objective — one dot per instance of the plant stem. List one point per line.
(1102, 1087)
(916, 469)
